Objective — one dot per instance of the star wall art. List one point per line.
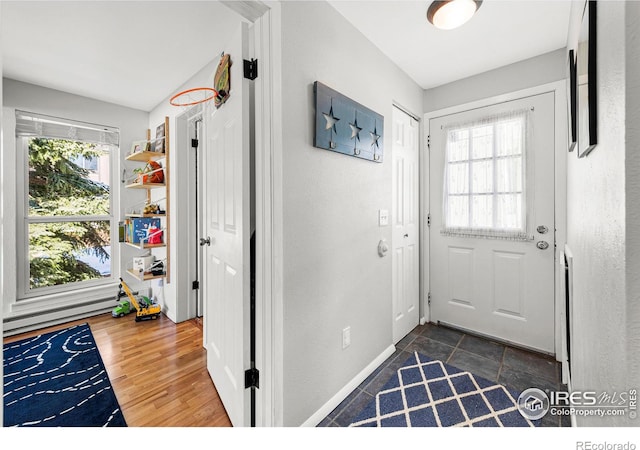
(345, 126)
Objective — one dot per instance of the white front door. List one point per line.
(405, 223)
(494, 286)
(226, 262)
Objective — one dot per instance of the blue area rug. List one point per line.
(58, 379)
(428, 393)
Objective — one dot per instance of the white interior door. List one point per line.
(405, 223)
(495, 286)
(226, 263)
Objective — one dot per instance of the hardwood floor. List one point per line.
(158, 370)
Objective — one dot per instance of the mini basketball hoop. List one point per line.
(193, 96)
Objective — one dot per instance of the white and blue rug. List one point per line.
(428, 393)
(58, 379)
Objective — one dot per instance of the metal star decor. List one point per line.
(374, 137)
(332, 133)
(331, 120)
(355, 130)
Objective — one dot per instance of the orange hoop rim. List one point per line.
(213, 94)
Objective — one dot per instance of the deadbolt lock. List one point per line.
(542, 229)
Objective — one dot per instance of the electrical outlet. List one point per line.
(346, 337)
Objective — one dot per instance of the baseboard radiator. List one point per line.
(36, 320)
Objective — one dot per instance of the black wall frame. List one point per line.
(572, 101)
(587, 81)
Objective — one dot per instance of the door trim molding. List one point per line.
(267, 48)
(558, 88)
(186, 310)
(269, 212)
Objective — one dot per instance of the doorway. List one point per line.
(196, 145)
(492, 221)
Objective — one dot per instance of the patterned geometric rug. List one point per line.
(428, 393)
(58, 379)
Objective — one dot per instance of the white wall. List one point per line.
(598, 223)
(632, 78)
(332, 274)
(18, 95)
(1, 215)
(530, 72)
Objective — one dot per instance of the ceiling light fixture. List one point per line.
(450, 14)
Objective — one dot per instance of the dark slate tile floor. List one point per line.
(512, 367)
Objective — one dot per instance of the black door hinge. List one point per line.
(195, 285)
(194, 143)
(251, 378)
(251, 69)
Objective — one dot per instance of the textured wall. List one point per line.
(596, 224)
(1, 214)
(632, 159)
(332, 274)
(530, 72)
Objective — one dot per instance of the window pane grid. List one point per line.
(490, 195)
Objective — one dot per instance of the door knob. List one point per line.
(542, 245)
(206, 241)
(383, 248)
(542, 229)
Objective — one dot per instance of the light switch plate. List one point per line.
(346, 337)
(383, 217)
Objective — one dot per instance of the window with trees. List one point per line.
(65, 203)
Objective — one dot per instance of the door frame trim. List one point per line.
(184, 122)
(269, 213)
(558, 88)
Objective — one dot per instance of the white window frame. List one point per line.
(23, 221)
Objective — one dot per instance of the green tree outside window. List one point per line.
(62, 250)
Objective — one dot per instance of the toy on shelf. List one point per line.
(151, 173)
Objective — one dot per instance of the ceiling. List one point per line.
(137, 53)
(502, 32)
(134, 54)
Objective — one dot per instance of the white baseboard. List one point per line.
(343, 393)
